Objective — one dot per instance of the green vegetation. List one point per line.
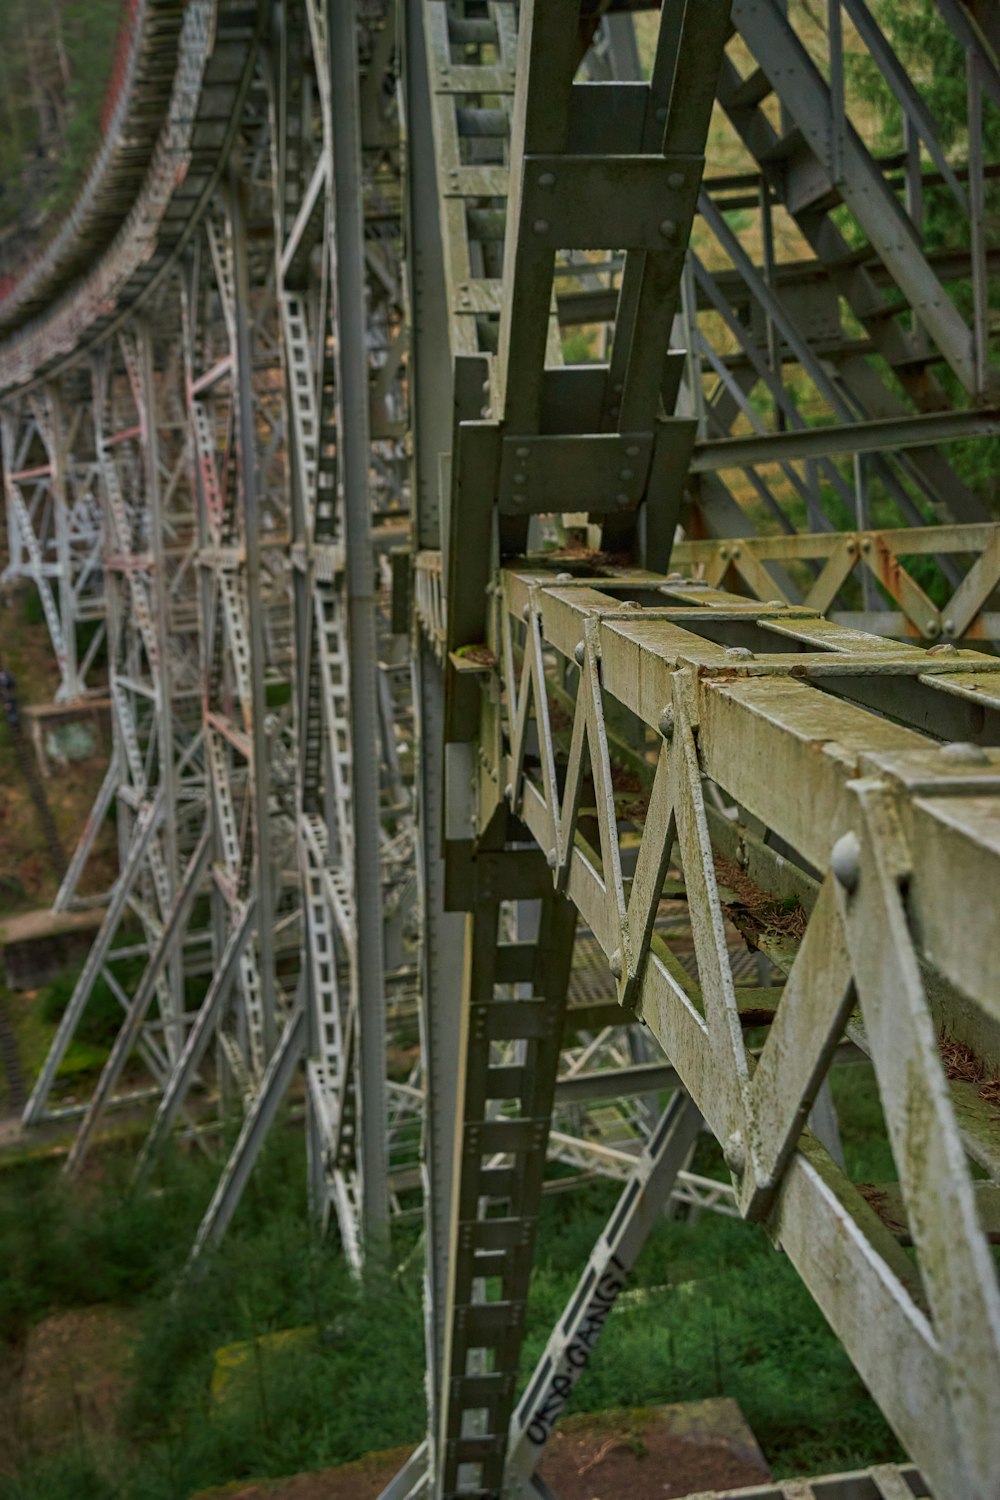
(55, 59)
(935, 64)
(718, 1312)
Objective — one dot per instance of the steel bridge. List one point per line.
(541, 600)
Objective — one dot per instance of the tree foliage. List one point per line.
(55, 61)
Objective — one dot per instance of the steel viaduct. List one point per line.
(599, 712)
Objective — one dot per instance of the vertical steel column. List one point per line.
(442, 932)
(174, 977)
(247, 461)
(60, 508)
(353, 459)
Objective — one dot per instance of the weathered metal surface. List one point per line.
(205, 438)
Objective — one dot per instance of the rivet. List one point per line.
(668, 228)
(866, 546)
(615, 963)
(632, 451)
(486, 387)
(665, 724)
(724, 552)
(674, 577)
(630, 604)
(945, 648)
(547, 179)
(579, 652)
(964, 754)
(625, 474)
(736, 551)
(675, 180)
(734, 1154)
(949, 627)
(618, 388)
(852, 548)
(622, 499)
(552, 859)
(508, 792)
(932, 629)
(739, 653)
(525, 611)
(845, 860)
(661, 113)
(541, 226)
(521, 452)
(519, 479)
(564, 578)
(775, 604)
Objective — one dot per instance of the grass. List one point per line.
(724, 1314)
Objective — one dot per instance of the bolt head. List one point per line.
(564, 578)
(945, 649)
(949, 627)
(625, 474)
(547, 180)
(932, 630)
(579, 653)
(630, 604)
(520, 478)
(734, 1154)
(508, 792)
(675, 180)
(632, 451)
(552, 859)
(845, 861)
(775, 604)
(525, 611)
(668, 228)
(622, 498)
(960, 752)
(665, 724)
(739, 653)
(541, 226)
(615, 963)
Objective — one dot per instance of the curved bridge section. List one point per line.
(169, 119)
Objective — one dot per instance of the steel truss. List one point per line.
(557, 677)
(219, 438)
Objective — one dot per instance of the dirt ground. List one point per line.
(68, 1376)
(654, 1454)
